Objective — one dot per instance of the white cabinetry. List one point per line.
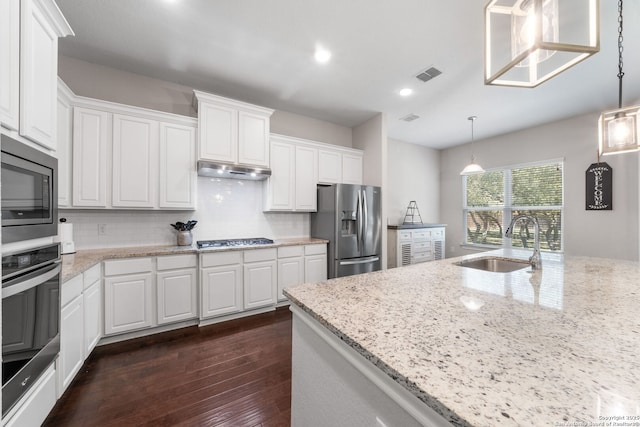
(177, 288)
(41, 23)
(232, 131)
(64, 153)
(91, 135)
(80, 323)
(339, 165)
(260, 278)
(128, 286)
(37, 403)
(315, 263)
(290, 268)
(127, 157)
(221, 283)
(9, 63)
(352, 168)
(414, 245)
(292, 184)
(135, 162)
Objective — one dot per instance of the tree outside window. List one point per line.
(492, 198)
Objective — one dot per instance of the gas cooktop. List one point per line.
(233, 242)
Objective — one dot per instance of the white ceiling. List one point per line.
(262, 52)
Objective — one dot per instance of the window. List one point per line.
(492, 198)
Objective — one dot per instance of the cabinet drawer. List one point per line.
(421, 234)
(421, 247)
(173, 262)
(260, 255)
(71, 289)
(222, 258)
(290, 251)
(127, 266)
(315, 249)
(421, 257)
(91, 276)
(404, 235)
(437, 233)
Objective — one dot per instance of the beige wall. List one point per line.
(110, 84)
(610, 234)
(414, 174)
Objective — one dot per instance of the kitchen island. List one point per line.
(440, 344)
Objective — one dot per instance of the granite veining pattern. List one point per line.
(82, 260)
(553, 347)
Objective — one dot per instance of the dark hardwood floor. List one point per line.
(233, 374)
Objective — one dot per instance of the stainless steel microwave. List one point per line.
(29, 192)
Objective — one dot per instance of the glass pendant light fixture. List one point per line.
(618, 129)
(472, 167)
(527, 42)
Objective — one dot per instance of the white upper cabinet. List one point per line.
(232, 131)
(135, 162)
(91, 135)
(9, 63)
(352, 168)
(41, 23)
(280, 186)
(329, 167)
(131, 158)
(306, 178)
(178, 173)
(65, 135)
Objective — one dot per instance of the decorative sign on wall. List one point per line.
(599, 179)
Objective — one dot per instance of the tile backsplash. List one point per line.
(226, 209)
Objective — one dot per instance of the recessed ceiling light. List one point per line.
(406, 91)
(322, 55)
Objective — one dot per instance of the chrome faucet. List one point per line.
(535, 260)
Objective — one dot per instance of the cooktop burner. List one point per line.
(233, 242)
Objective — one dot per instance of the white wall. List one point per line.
(610, 234)
(226, 209)
(291, 124)
(414, 174)
(371, 137)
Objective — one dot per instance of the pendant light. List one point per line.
(619, 129)
(527, 42)
(472, 167)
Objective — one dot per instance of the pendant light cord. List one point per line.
(620, 48)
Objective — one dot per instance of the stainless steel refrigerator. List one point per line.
(349, 216)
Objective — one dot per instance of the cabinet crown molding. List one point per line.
(55, 16)
(203, 96)
(316, 144)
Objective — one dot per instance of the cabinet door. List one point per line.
(135, 162)
(218, 132)
(9, 63)
(91, 132)
(280, 185)
(351, 169)
(290, 272)
(253, 139)
(65, 131)
(329, 167)
(306, 179)
(315, 268)
(38, 75)
(71, 341)
(92, 317)
(177, 295)
(260, 284)
(177, 166)
(221, 290)
(127, 303)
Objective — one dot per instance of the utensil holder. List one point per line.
(185, 238)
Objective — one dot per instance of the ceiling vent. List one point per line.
(428, 74)
(410, 117)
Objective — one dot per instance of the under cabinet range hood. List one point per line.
(231, 171)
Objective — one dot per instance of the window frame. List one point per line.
(507, 208)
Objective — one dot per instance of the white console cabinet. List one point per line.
(412, 245)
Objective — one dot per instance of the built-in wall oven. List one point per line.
(29, 192)
(30, 318)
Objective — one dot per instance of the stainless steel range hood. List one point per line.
(231, 171)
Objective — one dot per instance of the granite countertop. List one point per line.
(408, 226)
(82, 260)
(555, 347)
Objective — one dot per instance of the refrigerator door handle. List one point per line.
(365, 218)
(361, 261)
(359, 223)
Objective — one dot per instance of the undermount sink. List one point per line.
(494, 264)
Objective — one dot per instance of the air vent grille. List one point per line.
(410, 117)
(428, 74)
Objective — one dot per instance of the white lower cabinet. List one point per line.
(128, 286)
(71, 331)
(37, 404)
(176, 288)
(315, 263)
(221, 283)
(290, 268)
(260, 278)
(92, 300)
